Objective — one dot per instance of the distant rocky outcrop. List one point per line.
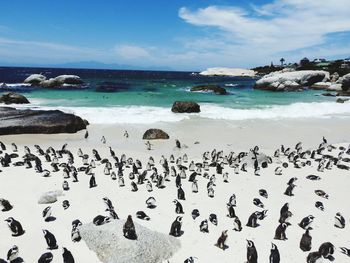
(185, 107)
(14, 121)
(13, 98)
(59, 81)
(155, 134)
(231, 72)
(35, 79)
(210, 88)
(291, 81)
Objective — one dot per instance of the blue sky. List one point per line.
(179, 34)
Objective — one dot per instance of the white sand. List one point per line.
(23, 188)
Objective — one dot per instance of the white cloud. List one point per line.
(272, 29)
(131, 52)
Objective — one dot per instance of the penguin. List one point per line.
(92, 181)
(190, 260)
(47, 214)
(112, 213)
(274, 254)
(5, 205)
(65, 186)
(319, 205)
(194, 186)
(313, 177)
(306, 241)
(327, 250)
(203, 227)
(15, 227)
(345, 251)
(253, 220)
(12, 254)
(339, 221)
(258, 203)
(306, 222)
(252, 254)
(178, 207)
(313, 257)
(231, 211)
(280, 233)
(225, 177)
(151, 202)
(321, 193)
(75, 234)
(284, 218)
(222, 240)
(142, 215)
(211, 191)
(108, 203)
(129, 231)
(261, 215)
(103, 140)
(289, 190)
(180, 193)
(67, 256)
(121, 182)
(46, 258)
(244, 167)
(175, 229)
(195, 213)
(278, 171)
(213, 219)
(50, 240)
(232, 201)
(134, 187)
(263, 193)
(101, 220)
(149, 186)
(65, 204)
(237, 224)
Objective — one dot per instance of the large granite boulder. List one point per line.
(14, 121)
(110, 246)
(291, 81)
(59, 81)
(62, 81)
(210, 88)
(345, 82)
(330, 86)
(155, 134)
(13, 98)
(185, 107)
(35, 79)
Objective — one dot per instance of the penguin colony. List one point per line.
(188, 177)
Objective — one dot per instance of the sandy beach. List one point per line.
(23, 187)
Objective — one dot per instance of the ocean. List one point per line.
(119, 96)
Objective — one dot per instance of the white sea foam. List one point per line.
(147, 114)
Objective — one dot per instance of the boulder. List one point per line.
(62, 81)
(185, 107)
(110, 246)
(15, 121)
(210, 88)
(155, 134)
(340, 100)
(291, 81)
(13, 98)
(345, 82)
(50, 197)
(35, 79)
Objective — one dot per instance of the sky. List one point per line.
(176, 34)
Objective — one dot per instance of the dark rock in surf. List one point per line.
(185, 107)
(13, 98)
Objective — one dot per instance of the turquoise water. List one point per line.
(146, 96)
